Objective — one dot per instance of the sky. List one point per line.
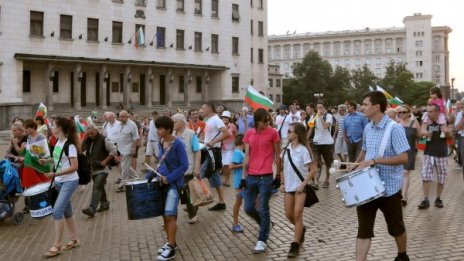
(338, 15)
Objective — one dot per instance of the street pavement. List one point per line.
(433, 234)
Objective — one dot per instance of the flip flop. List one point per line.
(51, 253)
(71, 244)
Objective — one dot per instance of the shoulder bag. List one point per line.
(311, 196)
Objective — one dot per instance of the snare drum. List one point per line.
(144, 200)
(38, 204)
(360, 186)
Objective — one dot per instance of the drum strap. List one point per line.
(385, 137)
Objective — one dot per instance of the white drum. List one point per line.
(38, 200)
(360, 186)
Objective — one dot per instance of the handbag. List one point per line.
(52, 193)
(311, 196)
(200, 195)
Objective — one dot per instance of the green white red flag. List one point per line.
(257, 100)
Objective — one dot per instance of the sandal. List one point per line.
(72, 244)
(51, 253)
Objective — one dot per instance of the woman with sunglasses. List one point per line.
(412, 129)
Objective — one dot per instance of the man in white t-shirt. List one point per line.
(323, 142)
(127, 141)
(295, 114)
(215, 132)
(111, 126)
(283, 120)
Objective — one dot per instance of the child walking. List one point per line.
(296, 152)
(237, 167)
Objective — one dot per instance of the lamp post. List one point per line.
(452, 87)
(318, 96)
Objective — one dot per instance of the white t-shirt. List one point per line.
(213, 124)
(295, 117)
(301, 158)
(286, 124)
(112, 130)
(322, 136)
(152, 135)
(64, 162)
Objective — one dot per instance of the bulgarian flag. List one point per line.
(257, 100)
(394, 102)
(448, 106)
(139, 38)
(42, 111)
(380, 89)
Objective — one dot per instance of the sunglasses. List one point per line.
(403, 112)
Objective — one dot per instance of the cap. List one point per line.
(226, 114)
(282, 107)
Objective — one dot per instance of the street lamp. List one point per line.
(318, 95)
(452, 87)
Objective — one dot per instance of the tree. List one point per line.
(397, 78)
(417, 93)
(362, 78)
(340, 86)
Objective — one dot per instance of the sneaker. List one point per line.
(118, 181)
(89, 212)
(120, 189)
(294, 250)
(104, 206)
(438, 203)
(260, 247)
(160, 250)
(303, 235)
(326, 184)
(218, 207)
(424, 204)
(193, 220)
(237, 229)
(168, 253)
(402, 258)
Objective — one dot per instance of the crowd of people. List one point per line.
(261, 151)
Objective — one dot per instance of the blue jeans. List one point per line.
(98, 190)
(262, 186)
(63, 206)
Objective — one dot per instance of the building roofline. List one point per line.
(58, 58)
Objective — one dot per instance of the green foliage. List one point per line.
(397, 79)
(362, 78)
(417, 93)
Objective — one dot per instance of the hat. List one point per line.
(226, 114)
(91, 126)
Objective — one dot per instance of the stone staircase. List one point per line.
(5, 137)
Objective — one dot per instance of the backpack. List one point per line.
(83, 169)
(332, 126)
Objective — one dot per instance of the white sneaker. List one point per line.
(260, 247)
(193, 220)
(160, 250)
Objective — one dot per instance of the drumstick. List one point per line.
(152, 169)
(348, 163)
(334, 171)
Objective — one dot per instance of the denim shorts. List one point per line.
(172, 201)
(214, 180)
(62, 208)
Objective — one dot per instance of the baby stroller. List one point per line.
(9, 187)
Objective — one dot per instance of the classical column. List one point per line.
(187, 86)
(103, 80)
(170, 81)
(149, 81)
(77, 86)
(127, 83)
(205, 87)
(49, 75)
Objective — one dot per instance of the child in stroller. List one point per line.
(9, 187)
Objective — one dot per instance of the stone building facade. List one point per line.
(423, 47)
(84, 54)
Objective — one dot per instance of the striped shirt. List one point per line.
(392, 176)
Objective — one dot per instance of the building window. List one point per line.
(137, 27)
(419, 43)
(198, 83)
(287, 51)
(65, 27)
(117, 32)
(277, 98)
(36, 23)
(198, 7)
(437, 79)
(235, 83)
(278, 81)
(180, 39)
(235, 13)
(346, 48)
(160, 37)
(296, 50)
(271, 83)
(214, 43)
(271, 97)
(235, 45)
(437, 58)
(418, 53)
(180, 6)
(56, 81)
(251, 54)
(261, 4)
(26, 81)
(197, 44)
(251, 3)
(92, 29)
(251, 26)
(181, 83)
(214, 8)
(260, 55)
(260, 28)
(161, 4)
(325, 49)
(437, 68)
(378, 61)
(419, 63)
(277, 52)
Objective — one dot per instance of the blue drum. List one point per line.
(144, 200)
(38, 200)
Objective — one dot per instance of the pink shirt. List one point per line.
(439, 102)
(261, 153)
(229, 143)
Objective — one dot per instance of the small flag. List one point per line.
(136, 40)
(42, 110)
(141, 36)
(380, 89)
(257, 100)
(449, 106)
(79, 127)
